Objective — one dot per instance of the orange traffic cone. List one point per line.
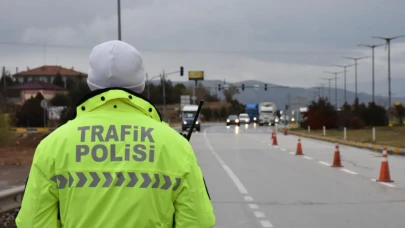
(385, 169)
(336, 157)
(275, 139)
(299, 148)
(285, 131)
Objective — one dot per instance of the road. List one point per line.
(254, 184)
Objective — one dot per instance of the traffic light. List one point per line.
(265, 87)
(219, 87)
(243, 87)
(181, 71)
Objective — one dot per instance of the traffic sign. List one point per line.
(44, 104)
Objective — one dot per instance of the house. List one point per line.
(18, 94)
(48, 73)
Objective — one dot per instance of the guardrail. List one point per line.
(10, 199)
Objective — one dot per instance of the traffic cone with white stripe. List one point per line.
(385, 169)
(275, 139)
(336, 157)
(272, 135)
(299, 148)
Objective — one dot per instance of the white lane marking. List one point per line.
(283, 149)
(275, 146)
(383, 183)
(292, 153)
(231, 174)
(309, 158)
(387, 184)
(348, 171)
(253, 206)
(248, 198)
(263, 141)
(266, 223)
(259, 214)
(324, 163)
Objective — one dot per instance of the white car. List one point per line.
(244, 118)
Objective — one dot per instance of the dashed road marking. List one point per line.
(228, 170)
(384, 183)
(292, 153)
(253, 206)
(348, 171)
(259, 214)
(283, 149)
(248, 198)
(266, 223)
(275, 146)
(324, 163)
(309, 158)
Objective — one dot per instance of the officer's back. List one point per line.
(116, 164)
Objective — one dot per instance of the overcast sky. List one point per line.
(288, 42)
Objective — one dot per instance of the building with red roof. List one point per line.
(48, 73)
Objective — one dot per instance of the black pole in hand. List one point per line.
(195, 120)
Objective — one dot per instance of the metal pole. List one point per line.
(355, 66)
(345, 85)
(373, 73)
(164, 95)
(119, 19)
(389, 76)
(336, 90)
(329, 90)
(148, 84)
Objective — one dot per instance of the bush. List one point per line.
(5, 129)
(207, 113)
(355, 122)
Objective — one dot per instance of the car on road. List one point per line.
(232, 120)
(244, 118)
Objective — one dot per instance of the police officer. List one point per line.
(116, 164)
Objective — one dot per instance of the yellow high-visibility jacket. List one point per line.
(116, 165)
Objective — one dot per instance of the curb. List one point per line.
(370, 146)
(33, 129)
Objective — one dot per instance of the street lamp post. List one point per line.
(329, 79)
(388, 44)
(355, 66)
(322, 91)
(335, 73)
(119, 19)
(372, 48)
(344, 66)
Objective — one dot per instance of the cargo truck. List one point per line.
(267, 113)
(253, 111)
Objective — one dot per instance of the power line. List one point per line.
(185, 49)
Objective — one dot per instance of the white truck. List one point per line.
(267, 113)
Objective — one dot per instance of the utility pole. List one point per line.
(388, 44)
(344, 66)
(164, 95)
(147, 83)
(329, 79)
(323, 92)
(355, 67)
(372, 48)
(119, 19)
(335, 73)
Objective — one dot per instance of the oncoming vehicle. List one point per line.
(232, 120)
(244, 118)
(187, 117)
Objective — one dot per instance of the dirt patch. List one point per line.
(20, 148)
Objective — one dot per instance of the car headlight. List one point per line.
(185, 122)
(227, 121)
(236, 121)
(196, 122)
(292, 119)
(254, 118)
(277, 120)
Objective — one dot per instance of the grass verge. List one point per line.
(389, 136)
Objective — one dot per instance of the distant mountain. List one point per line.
(283, 95)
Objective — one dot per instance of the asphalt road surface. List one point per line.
(254, 184)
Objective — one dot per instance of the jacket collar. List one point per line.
(98, 97)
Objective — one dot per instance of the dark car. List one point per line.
(232, 120)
